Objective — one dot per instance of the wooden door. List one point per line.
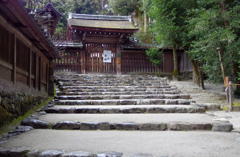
(95, 62)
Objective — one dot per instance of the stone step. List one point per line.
(118, 87)
(117, 93)
(126, 109)
(101, 97)
(124, 143)
(121, 90)
(125, 102)
(119, 79)
(160, 122)
(113, 78)
(111, 84)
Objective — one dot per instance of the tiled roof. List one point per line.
(101, 21)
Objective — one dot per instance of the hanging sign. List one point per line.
(107, 56)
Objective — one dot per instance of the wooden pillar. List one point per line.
(47, 76)
(30, 68)
(118, 61)
(36, 72)
(51, 79)
(83, 62)
(39, 73)
(14, 60)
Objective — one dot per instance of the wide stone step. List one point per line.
(120, 90)
(118, 87)
(111, 84)
(126, 109)
(160, 122)
(125, 102)
(118, 93)
(102, 79)
(114, 82)
(101, 97)
(107, 77)
(126, 143)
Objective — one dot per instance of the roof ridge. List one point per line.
(99, 17)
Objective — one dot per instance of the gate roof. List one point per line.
(101, 21)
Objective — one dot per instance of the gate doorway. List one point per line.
(99, 62)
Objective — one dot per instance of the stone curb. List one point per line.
(117, 93)
(21, 152)
(102, 97)
(127, 110)
(125, 102)
(176, 126)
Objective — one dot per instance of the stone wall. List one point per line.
(17, 99)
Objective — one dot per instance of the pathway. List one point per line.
(127, 115)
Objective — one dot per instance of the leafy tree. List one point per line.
(155, 55)
(214, 30)
(169, 24)
(124, 7)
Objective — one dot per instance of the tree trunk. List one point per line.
(145, 25)
(175, 64)
(221, 64)
(198, 75)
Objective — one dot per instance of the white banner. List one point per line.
(107, 56)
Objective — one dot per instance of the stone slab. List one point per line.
(124, 102)
(126, 109)
(143, 96)
(129, 118)
(118, 93)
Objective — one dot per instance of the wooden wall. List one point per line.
(132, 61)
(137, 61)
(20, 61)
(70, 60)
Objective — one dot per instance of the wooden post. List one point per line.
(36, 71)
(230, 96)
(51, 79)
(14, 60)
(118, 61)
(83, 61)
(30, 68)
(39, 73)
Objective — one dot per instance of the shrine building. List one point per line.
(104, 44)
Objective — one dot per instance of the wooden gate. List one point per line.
(94, 60)
(68, 61)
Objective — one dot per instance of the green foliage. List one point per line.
(213, 29)
(124, 7)
(169, 21)
(144, 37)
(155, 55)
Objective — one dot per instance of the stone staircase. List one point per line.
(121, 103)
(125, 102)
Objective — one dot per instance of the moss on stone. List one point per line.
(4, 116)
(15, 121)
